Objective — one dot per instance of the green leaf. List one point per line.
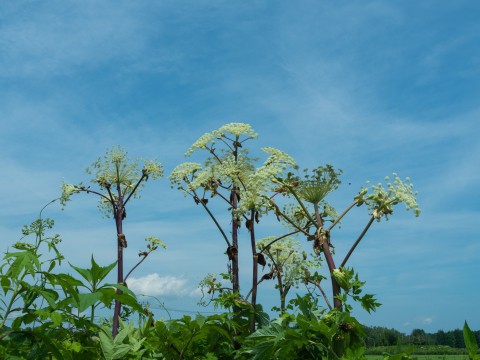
(24, 261)
(470, 341)
(122, 334)
(85, 273)
(56, 318)
(369, 303)
(87, 300)
(6, 283)
(50, 295)
(48, 344)
(52, 265)
(99, 273)
(341, 279)
(127, 297)
(68, 283)
(75, 346)
(106, 343)
(120, 351)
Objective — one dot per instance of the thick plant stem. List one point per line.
(235, 277)
(325, 241)
(121, 243)
(283, 295)
(331, 266)
(255, 270)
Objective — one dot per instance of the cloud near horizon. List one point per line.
(156, 285)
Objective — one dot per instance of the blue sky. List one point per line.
(372, 87)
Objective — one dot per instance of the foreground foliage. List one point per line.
(49, 313)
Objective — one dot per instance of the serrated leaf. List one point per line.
(128, 298)
(470, 341)
(5, 282)
(67, 282)
(48, 344)
(100, 272)
(122, 334)
(50, 295)
(87, 300)
(24, 261)
(106, 343)
(85, 273)
(120, 351)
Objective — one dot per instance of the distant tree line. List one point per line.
(381, 336)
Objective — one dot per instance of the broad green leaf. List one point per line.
(68, 284)
(119, 351)
(5, 282)
(128, 298)
(75, 346)
(87, 300)
(122, 334)
(99, 273)
(122, 288)
(210, 356)
(56, 317)
(106, 343)
(24, 261)
(85, 273)
(48, 344)
(470, 341)
(50, 295)
(137, 344)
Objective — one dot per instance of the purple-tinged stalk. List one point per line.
(251, 229)
(230, 170)
(116, 171)
(224, 170)
(313, 190)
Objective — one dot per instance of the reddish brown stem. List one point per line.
(235, 277)
(255, 270)
(118, 304)
(357, 242)
(329, 258)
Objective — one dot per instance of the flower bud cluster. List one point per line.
(382, 200)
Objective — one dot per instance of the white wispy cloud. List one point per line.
(47, 38)
(156, 285)
(79, 78)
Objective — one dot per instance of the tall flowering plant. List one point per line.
(116, 180)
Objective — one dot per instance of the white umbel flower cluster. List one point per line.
(184, 172)
(382, 200)
(201, 143)
(289, 255)
(259, 181)
(236, 129)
